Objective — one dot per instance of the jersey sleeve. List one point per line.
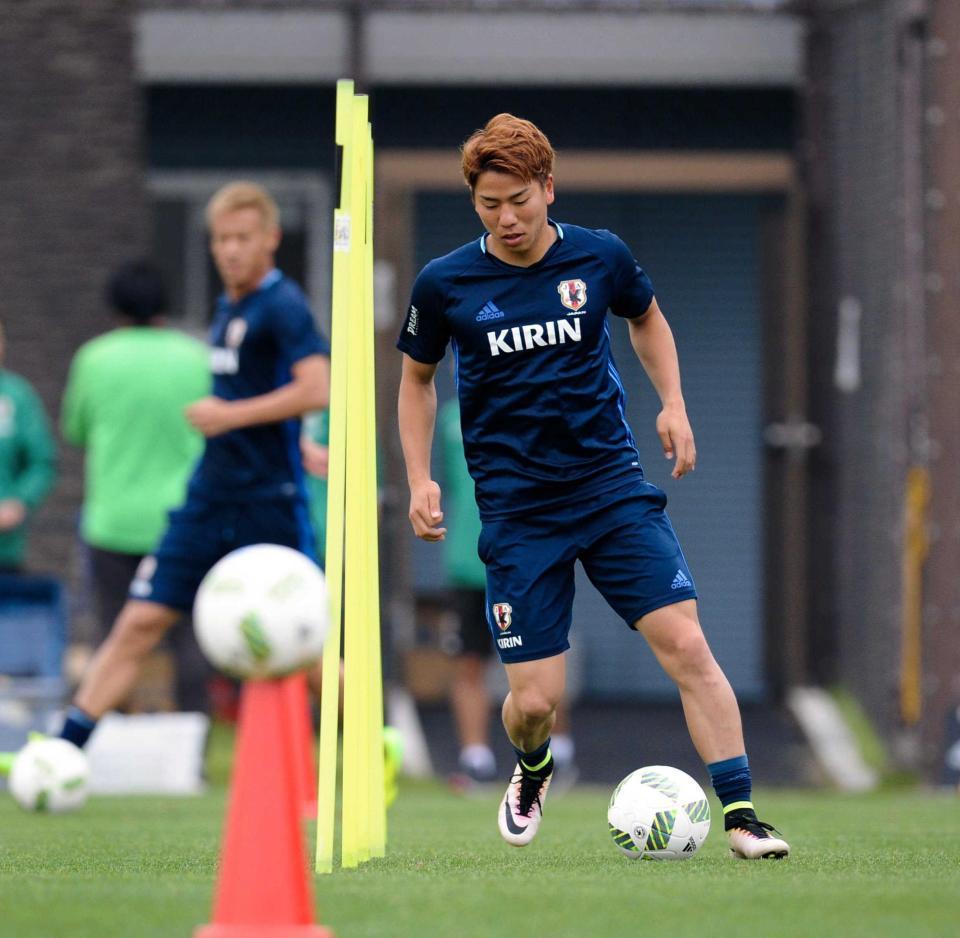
(73, 410)
(425, 332)
(294, 329)
(632, 289)
(38, 470)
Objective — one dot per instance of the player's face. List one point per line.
(515, 214)
(242, 245)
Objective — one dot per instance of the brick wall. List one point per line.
(72, 191)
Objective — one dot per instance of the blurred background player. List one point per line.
(472, 647)
(27, 462)
(270, 365)
(557, 470)
(314, 451)
(124, 405)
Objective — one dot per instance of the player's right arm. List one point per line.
(417, 412)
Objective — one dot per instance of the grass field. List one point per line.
(884, 864)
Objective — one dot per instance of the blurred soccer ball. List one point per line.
(659, 813)
(261, 612)
(49, 775)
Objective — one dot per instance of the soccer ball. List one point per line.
(261, 612)
(659, 813)
(49, 775)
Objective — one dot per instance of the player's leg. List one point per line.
(469, 697)
(106, 579)
(563, 747)
(530, 707)
(635, 560)
(529, 713)
(709, 705)
(113, 671)
(713, 719)
(162, 590)
(530, 564)
(470, 702)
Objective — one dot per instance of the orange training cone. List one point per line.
(296, 693)
(263, 889)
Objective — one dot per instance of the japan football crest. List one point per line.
(573, 294)
(236, 330)
(503, 615)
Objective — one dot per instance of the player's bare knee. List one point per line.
(534, 705)
(687, 655)
(140, 625)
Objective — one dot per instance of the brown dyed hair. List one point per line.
(507, 144)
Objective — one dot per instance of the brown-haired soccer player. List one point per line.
(557, 470)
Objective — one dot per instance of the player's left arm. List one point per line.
(652, 340)
(308, 390)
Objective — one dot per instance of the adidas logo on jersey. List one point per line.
(680, 581)
(490, 311)
(524, 338)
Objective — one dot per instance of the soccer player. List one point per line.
(557, 471)
(124, 404)
(28, 462)
(269, 366)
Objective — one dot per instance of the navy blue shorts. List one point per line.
(628, 549)
(203, 531)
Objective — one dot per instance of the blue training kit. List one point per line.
(557, 471)
(628, 549)
(248, 487)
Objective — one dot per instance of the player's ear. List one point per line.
(548, 189)
(274, 236)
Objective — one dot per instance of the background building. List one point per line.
(780, 169)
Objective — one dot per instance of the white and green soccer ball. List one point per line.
(261, 612)
(658, 813)
(49, 774)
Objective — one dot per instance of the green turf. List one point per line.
(884, 864)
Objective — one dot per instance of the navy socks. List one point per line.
(536, 760)
(77, 727)
(732, 783)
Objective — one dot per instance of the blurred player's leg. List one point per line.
(114, 669)
(713, 719)
(563, 748)
(469, 697)
(470, 700)
(392, 740)
(529, 712)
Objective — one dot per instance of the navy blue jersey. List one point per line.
(541, 402)
(254, 343)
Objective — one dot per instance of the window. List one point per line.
(179, 237)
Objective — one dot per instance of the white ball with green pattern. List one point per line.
(49, 775)
(261, 612)
(658, 813)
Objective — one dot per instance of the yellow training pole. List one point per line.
(378, 820)
(355, 848)
(330, 693)
(352, 541)
(362, 453)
